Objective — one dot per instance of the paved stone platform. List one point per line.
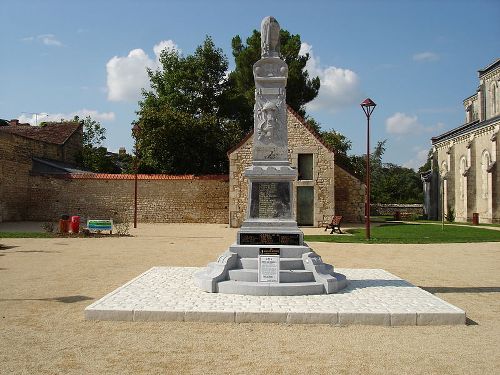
(373, 296)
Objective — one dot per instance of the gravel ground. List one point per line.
(45, 284)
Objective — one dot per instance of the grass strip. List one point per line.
(404, 233)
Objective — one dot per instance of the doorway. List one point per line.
(305, 205)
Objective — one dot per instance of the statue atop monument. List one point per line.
(270, 37)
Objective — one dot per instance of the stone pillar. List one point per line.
(270, 256)
(270, 194)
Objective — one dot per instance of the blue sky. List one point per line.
(417, 60)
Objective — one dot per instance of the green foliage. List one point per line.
(428, 164)
(450, 216)
(395, 184)
(390, 183)
(93, 156)
(26, 235)
(339, 142)
(93, 132)
(187, 121)
(95, 159)
(300, 90)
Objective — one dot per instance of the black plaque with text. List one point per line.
(269, 239)
(270, 200)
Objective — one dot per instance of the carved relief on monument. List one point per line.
(270, 121)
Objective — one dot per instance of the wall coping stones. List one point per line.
(109, 176)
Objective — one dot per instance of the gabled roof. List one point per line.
(299, 119)
(53, 132)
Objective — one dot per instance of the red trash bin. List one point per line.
(64, 224)
(75, 224)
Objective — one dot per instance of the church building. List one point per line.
(465, 177)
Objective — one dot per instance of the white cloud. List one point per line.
(400, 123)
(46, 39)
(165, 44)
(403, 124)
(419, 159)
(426, 56)
(339, 87)
(82, 113)
(127, 76)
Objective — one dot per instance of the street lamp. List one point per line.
(135, 131)
(368, 106)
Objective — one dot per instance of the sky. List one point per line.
(418, 60)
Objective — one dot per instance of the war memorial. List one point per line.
(270, 274)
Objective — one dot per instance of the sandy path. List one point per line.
(46, 283)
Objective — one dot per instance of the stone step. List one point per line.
(286, 276)
(269, 289)
(252, 251)
(285, 263)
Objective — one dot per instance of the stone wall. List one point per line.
(349, 196)
(16, 153)
(161, 198)
(301, 140)
(391, 209)
(15, 164)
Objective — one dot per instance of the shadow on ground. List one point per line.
(450, 289)
(64, 299)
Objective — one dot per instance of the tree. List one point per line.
(187, 122)
(428, 164)
(397, 184)
(93, 156)
(300, 88)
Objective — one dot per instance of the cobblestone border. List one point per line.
(373, 296)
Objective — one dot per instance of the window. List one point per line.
(305, 162)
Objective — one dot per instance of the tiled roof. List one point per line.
(108, 176)
(54, 132)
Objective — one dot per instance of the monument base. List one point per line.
(300, 272)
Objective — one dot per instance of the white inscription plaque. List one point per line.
(269, 265)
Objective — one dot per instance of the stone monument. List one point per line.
(270, 256)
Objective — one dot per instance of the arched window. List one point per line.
(485, 163)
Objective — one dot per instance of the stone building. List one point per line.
(465, 176)
(38, 182)
(23, 147)
(323, 189)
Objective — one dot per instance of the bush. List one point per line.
(121, 224)
(450, 216)
(48, 227)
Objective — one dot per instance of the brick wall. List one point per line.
(161, 198)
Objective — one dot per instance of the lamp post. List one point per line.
(135, 131)
(368, 106)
